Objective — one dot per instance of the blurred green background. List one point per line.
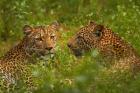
(68, 74)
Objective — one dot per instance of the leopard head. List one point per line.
(40, 40)
(87, 38)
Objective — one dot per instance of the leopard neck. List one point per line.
(17, 53)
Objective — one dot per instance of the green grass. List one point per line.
(67, 74)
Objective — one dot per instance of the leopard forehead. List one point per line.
(86, 29)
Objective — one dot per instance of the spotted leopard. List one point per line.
(109, 45)
(14, 65)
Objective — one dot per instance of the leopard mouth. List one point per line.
(46, 52)
(77, 52)
(40, 52)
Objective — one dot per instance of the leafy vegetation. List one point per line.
(67, 74)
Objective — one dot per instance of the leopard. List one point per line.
(15, 64)
(109, 45)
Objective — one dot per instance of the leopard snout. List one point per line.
(49, 48)
(69, 45)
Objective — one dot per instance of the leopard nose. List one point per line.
(49, 48)
(68, 44)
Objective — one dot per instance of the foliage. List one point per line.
(67, 74)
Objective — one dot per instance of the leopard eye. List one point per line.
(98, 30)
(97, 33)
(52, 37)
(39, 39)
(79, 36)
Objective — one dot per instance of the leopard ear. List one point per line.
(27, 29)
(91, 22)
(55, 25)
(98, 30)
